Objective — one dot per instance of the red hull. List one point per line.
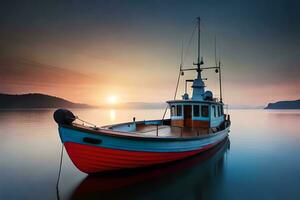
(90, 159)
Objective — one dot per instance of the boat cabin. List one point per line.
(196, 114)
(202, 110)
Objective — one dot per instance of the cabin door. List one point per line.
(187, 115)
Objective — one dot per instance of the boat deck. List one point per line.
(148, 130)
(170, 131)
(158, 128)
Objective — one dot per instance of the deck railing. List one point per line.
(192, 131)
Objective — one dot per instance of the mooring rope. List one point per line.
(94, 125)
(59, 171)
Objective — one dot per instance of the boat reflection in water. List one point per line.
(196, 177)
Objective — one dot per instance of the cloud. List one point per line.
(29, 72)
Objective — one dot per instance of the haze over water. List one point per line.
(261, 161)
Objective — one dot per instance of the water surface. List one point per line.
(261, 160)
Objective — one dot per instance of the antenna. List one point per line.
(216, 62)
(198, 64)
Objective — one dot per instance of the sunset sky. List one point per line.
(129, 51)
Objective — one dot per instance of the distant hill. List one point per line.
(284, 105)
(35, 100)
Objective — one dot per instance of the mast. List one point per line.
(218, 70)
(198, 84)
(199, 62)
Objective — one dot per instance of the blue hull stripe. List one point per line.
(76, 136)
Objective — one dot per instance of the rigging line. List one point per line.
(177, 84)
(183, 58)
(165, 112)
(189, 43)
(216, 82)
(220, 75)
(182, 61)
(59, 171)
(180, 67)
(176, 89)
(174, 94)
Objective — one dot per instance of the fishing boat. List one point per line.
(196, 124)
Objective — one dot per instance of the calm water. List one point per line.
(261, 160)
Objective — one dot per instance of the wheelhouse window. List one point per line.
(219, 111)
(204, 111)
(196, 110)
(179, 110)
(214, 111)
(173, 111)
(222, 110)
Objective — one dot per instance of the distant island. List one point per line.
(284, 105)
(36, 100)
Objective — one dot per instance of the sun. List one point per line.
(112, 99)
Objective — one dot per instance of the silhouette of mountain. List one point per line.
(284, 105)
(35, 100)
